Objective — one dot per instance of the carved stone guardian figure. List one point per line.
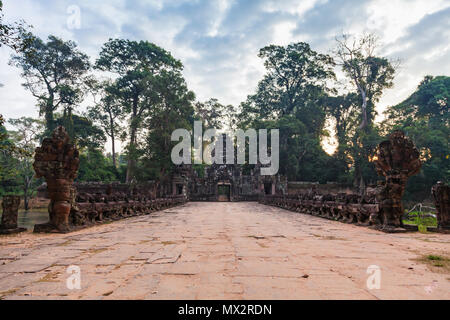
(396, 159)
(10, 205)
(57, 161)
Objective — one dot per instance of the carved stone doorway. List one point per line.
(224, 192)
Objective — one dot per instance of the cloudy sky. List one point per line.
(218, 40)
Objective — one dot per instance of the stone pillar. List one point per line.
(396, 159)
(57, 161)
(441, 195)
(10, 205)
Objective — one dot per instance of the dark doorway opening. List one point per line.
(223, 192)
(268, 188)
(179, 188)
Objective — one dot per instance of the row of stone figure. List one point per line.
(349, 208)
(94, 208)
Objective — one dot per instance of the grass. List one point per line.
(417, 218)
(436, 263)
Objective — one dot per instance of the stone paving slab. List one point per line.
(222, 251)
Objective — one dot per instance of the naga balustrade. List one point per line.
(349, 208)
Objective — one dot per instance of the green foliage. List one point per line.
(370, 75)
(174, 111)
(420, 219)
(14, 35)
(86, 135)
(291, 97)
(94, 166)
(107, 113)
(17, 174)
(141, 68)
(215, 115)
(55, 74)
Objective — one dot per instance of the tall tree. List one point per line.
(137, 65)
(295, 75)
(345, 114)
(343, 109)
(291, 97)
(174, 111)
(55, 73)
(369, 74)
(25, 136)
(107, 112)
(213, 114)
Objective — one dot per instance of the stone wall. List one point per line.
(349, 208)
(301, 187)
(95, 202)
(103, 207)
(396, 159)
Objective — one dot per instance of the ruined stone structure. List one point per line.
(97, 202)
(83, 204)
(116, 201)
(57, 161)
(10, 205)
(441, 195)
(380, 207)
(299, 187)
(349, 208)
(78, 205)
(396, 159)
(225, 182)
(222, 182)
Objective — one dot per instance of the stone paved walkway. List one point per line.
(222, 251)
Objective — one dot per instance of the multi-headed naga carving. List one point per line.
(57, 161)
(396, 159)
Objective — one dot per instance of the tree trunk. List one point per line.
(364, 124)
(131, 161)
(49, 119)
(49, 124)
(113, 144)
(113, 152)
(25, 199)
(132, 147)
(25, 193)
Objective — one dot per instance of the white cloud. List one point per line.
(391, 18)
